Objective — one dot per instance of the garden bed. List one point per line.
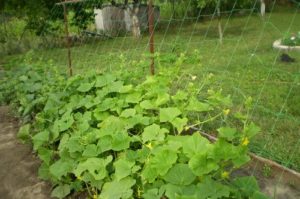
(19, 172)
(278, 45)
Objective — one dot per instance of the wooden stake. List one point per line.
(68, 41)
(151, 32)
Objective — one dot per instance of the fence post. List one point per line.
(68, 41)
(151, 32)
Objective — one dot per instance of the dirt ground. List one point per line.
(18, 165)
(19, 168)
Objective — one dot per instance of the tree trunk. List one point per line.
(219, 22)
(262, 8)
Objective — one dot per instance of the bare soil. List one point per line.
(18, 165)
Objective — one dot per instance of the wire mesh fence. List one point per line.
(230, 43)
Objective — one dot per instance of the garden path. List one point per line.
(18, 165)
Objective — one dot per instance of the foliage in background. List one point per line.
(112, 138)
(291, 39)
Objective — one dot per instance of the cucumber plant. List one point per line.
(106, 136)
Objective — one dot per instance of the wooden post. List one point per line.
(219, 21)
(68, 41)
(151, 32)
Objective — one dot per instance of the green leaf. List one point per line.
(40, 139)
(180, 95)
(118, 189)
(45, 154)
(168, 114)
(61, 168)
(196, 105)
(162, 99)
(74, 144)
(95, 166)
(115, 87)
(180, 192)
(104, 144)
(211, 189)
(153, 132)
(164, 160)
(147, 104)
(227, 132)
(201, 164)
(179, 123)
(123, 168)
(128, 113)
(120, 141)
(152, 194)
(126, 89)
(85, 87)
(90, 151)
(44, 172)
(104, 80)
(180, 174)
(251, 130)
(24, 133)
(61, 191)
(134, 98)
(149, 173)
(195, 144)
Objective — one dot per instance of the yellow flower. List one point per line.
(79, 178)
(225, 175)
(194, 78)
(149, 145)
(245, 141)
(94, 196)
(226, 112)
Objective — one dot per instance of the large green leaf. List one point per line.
(45, 154)
(123, 168)
(95, 166)
(162, 99)
(251, 130)
(168, 114)
(61, 168)
(152, 194)
(163, 161)
(212, 189)
(196, 105)
(85, 87)
(104, 80)
(61, 191)
(227, 132)
(120, 141)
(154, 132)
(195, 144)
(179, 123)
(40, 138)
(91, 150)
(180, 174)
(128, 113)
(104, 144)
(201, 164)
(147, 104)
(118, 189)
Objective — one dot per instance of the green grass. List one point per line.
(244, 65)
